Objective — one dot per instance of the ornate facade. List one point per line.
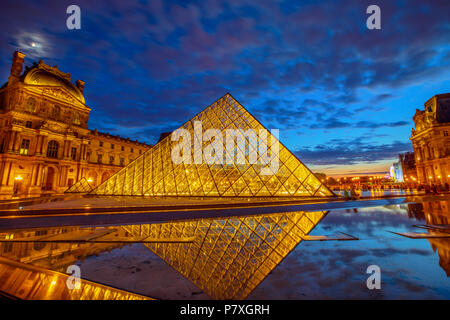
(45, 143)
(431, 140)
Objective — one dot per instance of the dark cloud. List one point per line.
(151, 65)
(341, 151)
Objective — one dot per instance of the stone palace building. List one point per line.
(45, 143)
(431, 140)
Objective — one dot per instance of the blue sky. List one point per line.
(342, 96)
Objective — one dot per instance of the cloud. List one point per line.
(348, 152)
(305, 65)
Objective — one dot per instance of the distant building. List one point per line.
(396, 172)
(431, 140)
(408, 163)
(45, 143)
(405, 169)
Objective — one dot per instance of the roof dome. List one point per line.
(44, 75)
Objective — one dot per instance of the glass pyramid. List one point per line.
(154, 173)
(81, 186)
(229, 257)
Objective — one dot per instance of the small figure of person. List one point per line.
(434, 189)
(354, 193)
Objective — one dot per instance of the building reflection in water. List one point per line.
(28, 270)
(435, 213)
(226, 257)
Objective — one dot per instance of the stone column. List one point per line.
(83, 152)
(12, 138)
(33, 175)
(39, 175)
(17, 142)
(5, 173)
(37, 150)
(44, 145)
(67, 146)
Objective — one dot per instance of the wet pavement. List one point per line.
(263, 254)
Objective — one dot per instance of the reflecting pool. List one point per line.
(259, 256)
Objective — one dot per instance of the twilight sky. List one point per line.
(342, 96)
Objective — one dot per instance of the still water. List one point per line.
(265, 256)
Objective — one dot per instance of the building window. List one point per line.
(28, 124)
(122, 161)
(122, 148)
(111, 159)
(140, 151)
(73, 153)
(99, 158)
(56, 112)
(76, 118)
(31, 105)
(7, 247)
(445, 133)
(131, 150)
(24, 146)
(101, 143)
(88, 156)
(52, 149)
(112, 145)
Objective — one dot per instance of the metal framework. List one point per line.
(229, 257)
(155, 174)
(81, 186)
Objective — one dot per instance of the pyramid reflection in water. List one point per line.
(229, 257)
(155, 174)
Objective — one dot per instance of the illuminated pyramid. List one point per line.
(81, 186)
(155, 173)
(229, 257)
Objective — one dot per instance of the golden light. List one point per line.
(206, 180)
(439, 177)
(430, 177)
(89, 179)
(18, 177)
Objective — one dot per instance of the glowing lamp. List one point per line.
(18, 177)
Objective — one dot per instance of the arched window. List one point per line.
(56, 112)
(76, 117)
(52, 149)
(31, 105)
